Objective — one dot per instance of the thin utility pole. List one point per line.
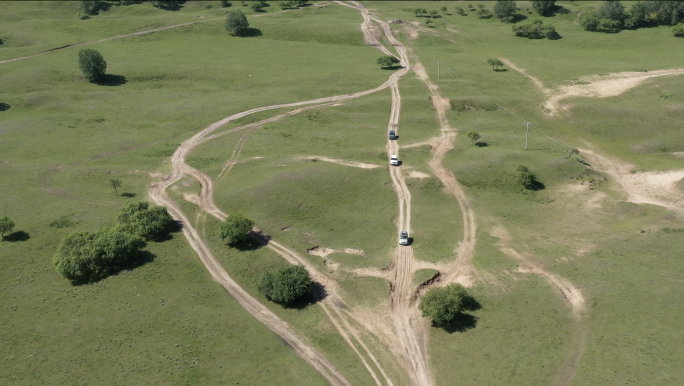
(527, 132)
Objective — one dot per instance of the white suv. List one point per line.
(394, 160)
(403, 238)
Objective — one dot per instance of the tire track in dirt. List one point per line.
(108, 39)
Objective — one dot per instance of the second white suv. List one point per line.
(394, 160)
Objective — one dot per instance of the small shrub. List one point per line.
(139, 219)
(62, 222)
(235, 229)
(443, 305)
(678, 30)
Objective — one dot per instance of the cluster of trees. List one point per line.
(612, 15)
(84, 257)
(536, 30)
(285, 285)
(433, 14)
(235, 229)
(506, 11)
(387, 61)
(6, 226)
(92, 64)
(236, 23)
(444, 305)
(257, 6)
(292, 4)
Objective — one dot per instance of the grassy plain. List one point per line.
(167, 321)
(620, 255)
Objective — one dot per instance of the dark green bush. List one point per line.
(151, 223)
(285, 285)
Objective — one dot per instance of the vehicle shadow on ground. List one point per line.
(129, 195)
(17, 236)
(4, 107)
(112, 80)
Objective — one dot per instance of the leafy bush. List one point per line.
(504, 10)
(285, 285)
(678, 31)
(235, 229)
(139, 219)
(536, 30)
(6, 225)
(525, 177)
(443, 305)
(86, 257)
(387, 61)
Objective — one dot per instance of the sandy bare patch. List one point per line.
(324, 252)
(191, 198)
(451, 30)
(656, 188)
(592, 86)
(156, 175)
(417, 174)
(412, 32)
(678, 154)
(355, 164)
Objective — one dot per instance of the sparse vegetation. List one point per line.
(495, 63)
(474, 137)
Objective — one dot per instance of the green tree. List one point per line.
(418, 12)
(460, 11)
(443, 9)
(474, 137)
(434, 13)
(150, 223)
(525, 177)
(442, 305)
(235, 229)
(257, 6)
(86, 257)
(544, 7)
(89, 7)
(505, 10)
(495, 63)
(423, 11)
(236, 22)
(612, 10)
(115, 183)
(285, 5)
(387, 61)
(285, 285)
(92, 64)
(6, 226)
(483, 13)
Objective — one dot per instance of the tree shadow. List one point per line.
(559, 10)
(111, 80)
(392, 67)
(174, 227)
(460, 323)
(518, 17)
(129, 195)
(501, 70)
(481, 144)
(169, 5)
(1, 42)
(536, 186)
(250, 33)
(17, 236)
(4, 107)
(317, 294)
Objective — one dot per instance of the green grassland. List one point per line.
(166, 321)
(621, 255)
